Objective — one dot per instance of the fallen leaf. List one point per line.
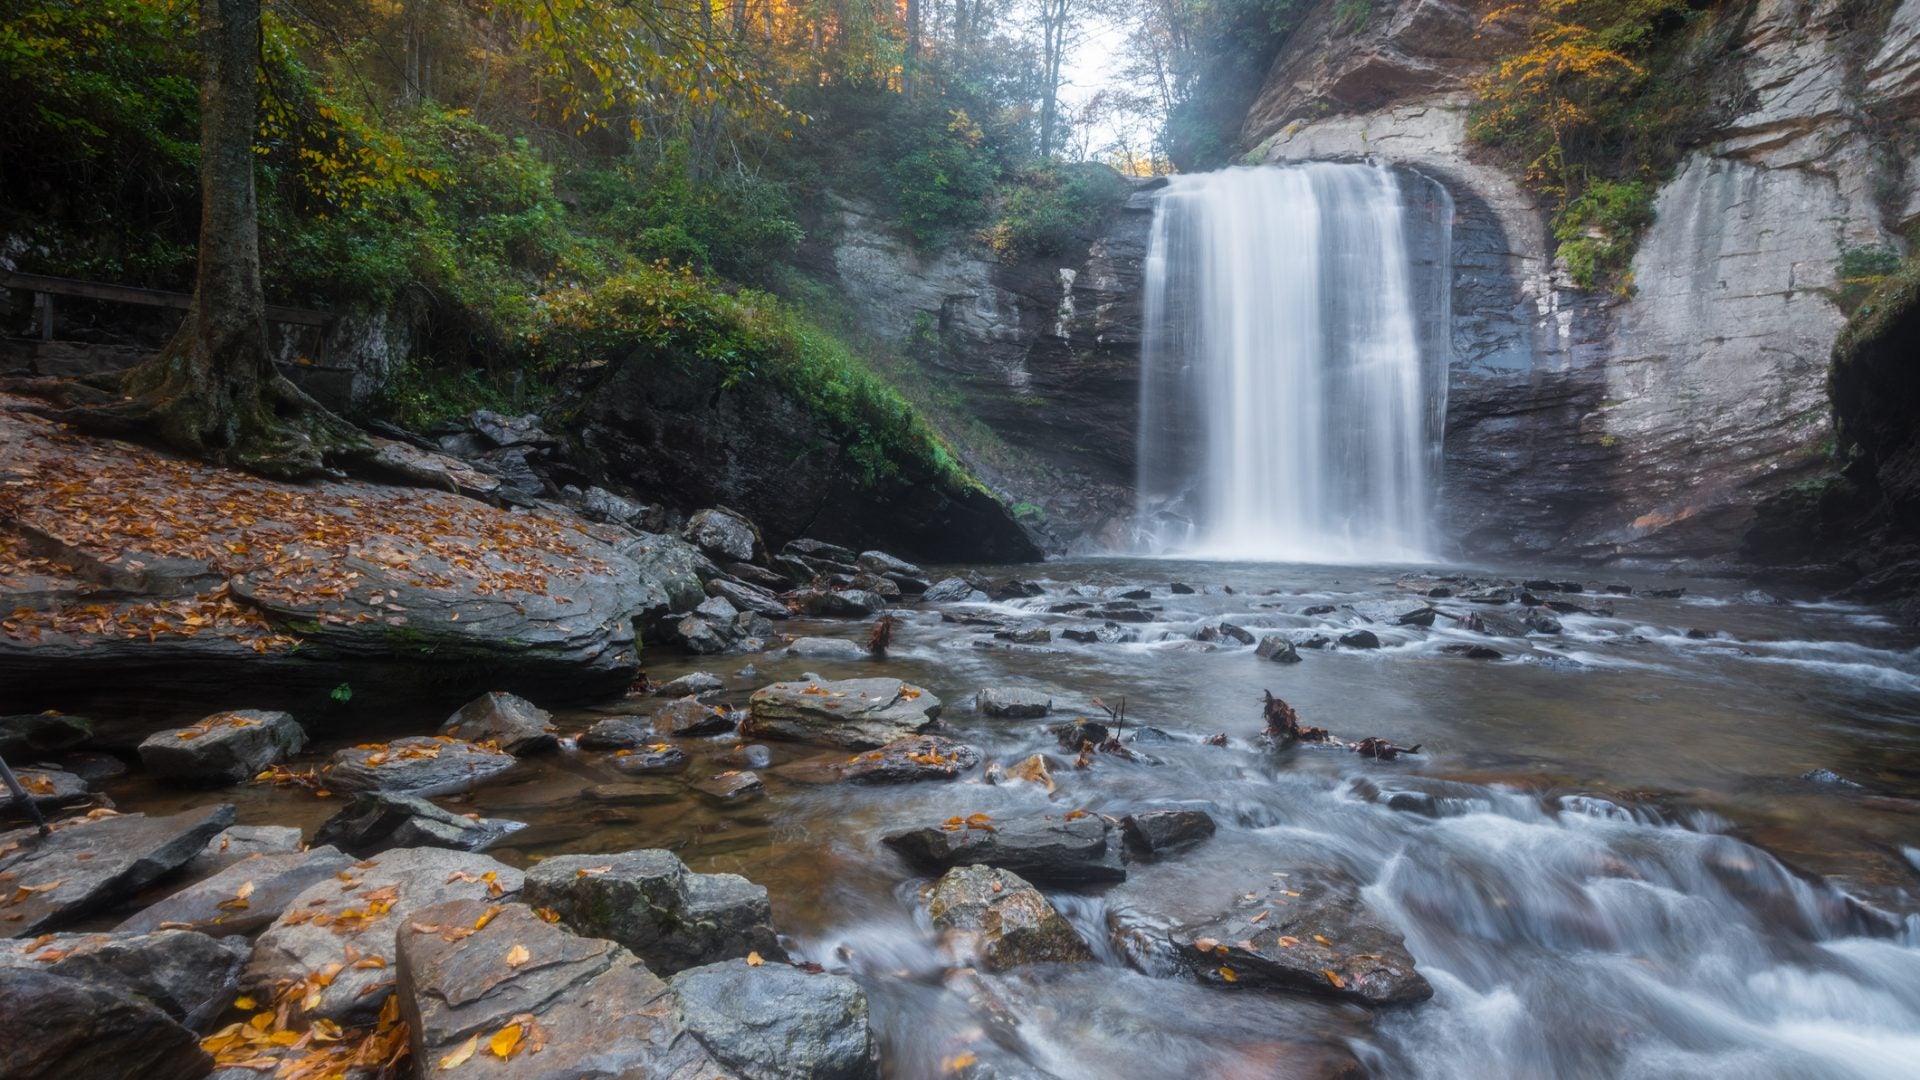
(1334, 978)
(459, 1057)
(518, 955)
(1227, 974)
(754, 960)
(506, 1041)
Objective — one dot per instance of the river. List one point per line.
(1614, 857)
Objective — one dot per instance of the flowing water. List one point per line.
(1620, 870)
(1293, 375)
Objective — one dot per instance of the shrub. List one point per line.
(1052, 207)
(938, 177)
(1596, 232)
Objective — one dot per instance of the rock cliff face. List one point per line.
(1639, 428)
(1647, 427)
(1043, 353)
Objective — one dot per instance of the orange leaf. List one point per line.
(506, 1041)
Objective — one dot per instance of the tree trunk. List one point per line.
(909, 67)
(213, 389)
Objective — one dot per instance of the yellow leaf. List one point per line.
(505, 1041)
(1227, 974)
(459, 1057)
(754, 960)
(518, 955)
(245, 1003)
(1334, 978)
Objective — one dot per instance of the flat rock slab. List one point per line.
(67, 1029)
(650, 903)
(225, 748)
(415, 765)
(732, 786)
(690, 716)
(996, 916)
(1013, 704)
(615, 733)
(236, 842)
(376, 821)
(1051, 850)
(859, 714)
(91, 864)
(916, 757)
(48, 788)
(595, 1009)
(217, 905)
(699, 682)
(652, 758)
(635, 792)
(828, 648)
(508, 721)
(361, 910)
(189, 976)
(1152, 833)
(1319, 937)
(777, 1022)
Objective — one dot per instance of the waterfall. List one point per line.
(1293, 375)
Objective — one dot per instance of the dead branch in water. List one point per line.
(882, 637)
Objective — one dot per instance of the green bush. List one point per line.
(1597, 231)
(1052, 207)
(671, 316)
(732, 224)
(938, 179)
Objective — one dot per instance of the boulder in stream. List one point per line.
(187, 975)
(724, 535)
(354, 916)
(88, 865)
(225, 748)
(827, 648)
(1360, 639)
(616, 733)
(65, 1029)
(1277, 648)
(772, 1021)
(1153, 833)
(508, 721)
(913, 757)
(859, 714)
(1012, 703)
(690, 716)
(1317, 936)
(48, 788)
(247, 895)
(376, 821)
(588, 1005)
(995, 915)
(1062, 851)
(649, 902)
(416, 765)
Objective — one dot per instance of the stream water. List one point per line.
(1622, 871)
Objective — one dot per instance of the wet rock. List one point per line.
(1315, 641)
(225, 748)
(1180, 589)
(270, 882)
(761, 601)
(28, 734)
(1154, 833)
(1279, 649)
(1318, 610)
(731, 787)
(599, 504)
(94, 768)
(1421, 617)
(615, 733)
(1541, 623)
(416, 765)
(89, 865)
(1761, 597)
(693, 685)
(777, 1022)
(915, 757)
(712, 628)
(1545, 585)
(508, 721)
(1080, 732)
(649, 902)
(1698, 634)
(1439, 592)
(1110, 633)
(947, 591)
(1137, 594)
(376, 821)
(1035, 769)
(723, 535)
(649, 759)
(882, 563)
(1618, 589)
(819, 549)
(836, 603)
(47, 788)
(747, 756)
(1472, 652)
(237, 842)
(1360, 639)
(1025, 635)
(1828, 778)
(1120, 613)
(1667, 594)
(635, 792)
(1015, 589)
(1319, 937)
(859, 714)
(995, 915)
(67, 1029)
(362, 911)
(825, 648)
(599, 1011)
(187, 975)
(1012, 703)
(690, 716)
(1046, 850)
(1235, 633)
(1152, 736)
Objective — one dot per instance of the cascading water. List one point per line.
(1294, 365)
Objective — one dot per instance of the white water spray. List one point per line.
(1294, 371)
